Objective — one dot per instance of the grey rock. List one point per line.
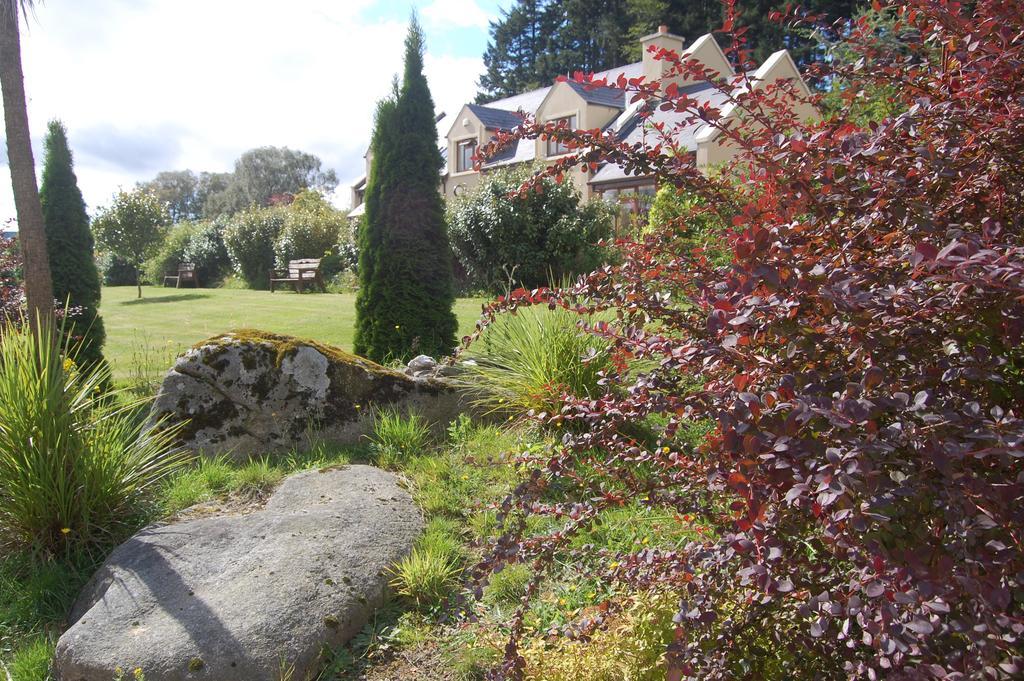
(239, 598)
(420, 364)
(250, 392)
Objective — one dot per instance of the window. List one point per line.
(557, 147)
(464, 155)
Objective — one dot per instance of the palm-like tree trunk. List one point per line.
(31, 230)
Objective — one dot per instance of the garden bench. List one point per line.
(186, 275)
(298, 274)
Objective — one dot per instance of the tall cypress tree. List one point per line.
(406, 291)
(69, 245)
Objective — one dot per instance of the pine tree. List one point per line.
(514, 58)
(535, 41)
(69, 245)
(406, 287)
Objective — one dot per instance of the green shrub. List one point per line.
(77, 466)
(526, 361)
(397, 437)
(694, 226)
(199, 243)
(250, 237)
(501, 238)
(115, 271)
(311, 228)
(427, 576)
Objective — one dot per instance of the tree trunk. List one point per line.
(138, 283)
(31, 229)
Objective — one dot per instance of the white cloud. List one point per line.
(455, 14)
(166, 84)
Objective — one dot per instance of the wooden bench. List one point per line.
(186, 275)
(299, 274)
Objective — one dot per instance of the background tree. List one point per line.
(179, 190)
(406, 289)
(132, 228)
(263, 173)
(76, 282)
(31, 228)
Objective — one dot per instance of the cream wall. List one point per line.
(466, 127)
(713, 148)
(562, 101)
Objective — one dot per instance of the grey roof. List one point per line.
(523, 151)
(634, 70)
(631, 128)
(527, 101)
(602, 96)
(496, 119)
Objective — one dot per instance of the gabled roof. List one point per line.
(602, 96)
(495, 119)
(631, 128)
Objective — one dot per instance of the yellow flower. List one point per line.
(65, 530)
(69, 364)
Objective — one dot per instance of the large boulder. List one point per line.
(243, 597)
(252, 392)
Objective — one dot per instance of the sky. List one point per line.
(150, 85)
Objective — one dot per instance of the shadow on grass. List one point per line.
(167, 299)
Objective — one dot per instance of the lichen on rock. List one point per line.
(252, 392)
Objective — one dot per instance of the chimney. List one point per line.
(653, 68)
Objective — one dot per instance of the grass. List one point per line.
(454, 480)
(144, 335)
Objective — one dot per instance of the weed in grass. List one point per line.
(31, 661)
(469, 658)
(35, 597)
(373, 642)
(508, 586)
(442, 536)
(631, 646)
(426, 577)
(634, 527)
(256, 478)
(397, 436)
(145, 354)
(483, 524)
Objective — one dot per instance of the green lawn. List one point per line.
(145, 335)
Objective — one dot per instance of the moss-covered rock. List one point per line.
(251, 392)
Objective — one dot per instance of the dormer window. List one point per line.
(557, 147)
(464, 151)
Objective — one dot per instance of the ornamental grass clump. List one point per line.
(77, 465)
(533, 359)
(859, 500)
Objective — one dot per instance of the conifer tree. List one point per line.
(406, 291)
(69, 245)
